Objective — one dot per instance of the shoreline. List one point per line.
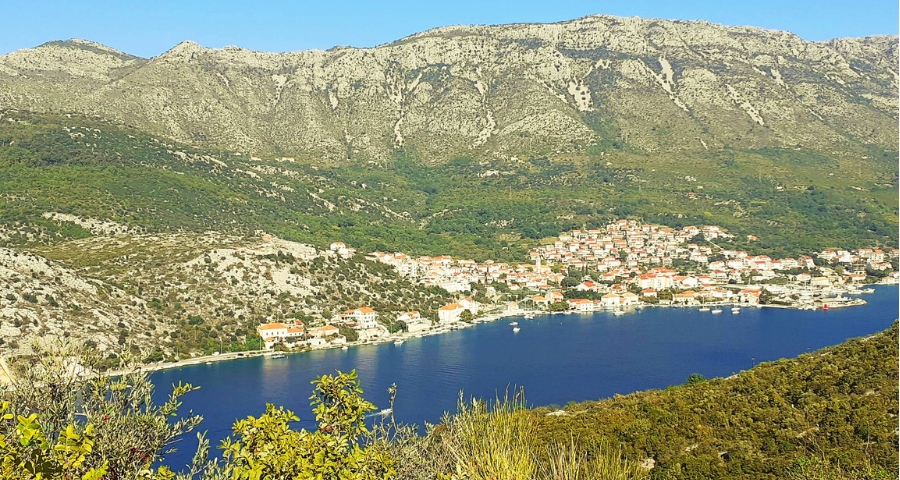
(441, 329)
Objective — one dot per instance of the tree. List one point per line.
(350, 334)
(62, 421)
(466, 316)
(267, 447)
(558, 307)
(695, 378)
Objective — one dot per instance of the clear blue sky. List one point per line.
(148, 28)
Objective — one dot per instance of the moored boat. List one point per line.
(718, 310)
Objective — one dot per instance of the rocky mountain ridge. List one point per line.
(600, 82)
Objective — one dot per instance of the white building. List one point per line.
(450, 313)
(363, 318)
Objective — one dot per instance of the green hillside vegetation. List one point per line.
(838, 405)
(795, 201)
(831, 415)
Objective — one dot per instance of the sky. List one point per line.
(149, 28)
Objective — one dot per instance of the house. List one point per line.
(648, 293)
(587, 287)
(856, 277)
(540, 301)
(450, 313)
(819, 282)
(688, 298)
(362, 318)
(272, 333)
(339, 248)
(470, 305)
(409, 317)
(611, 300)
(749, 295)
(414, 322)
(324, 332)
(629, 299)
(581, 305)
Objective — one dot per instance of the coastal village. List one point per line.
(625, 266)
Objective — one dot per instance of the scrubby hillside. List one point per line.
(187, 292)
(839, 405)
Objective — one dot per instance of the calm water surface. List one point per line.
(557, 359)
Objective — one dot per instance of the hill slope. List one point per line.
(643, 85)
(794, 201)
(839, 404)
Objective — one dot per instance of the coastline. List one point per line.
(436, 330)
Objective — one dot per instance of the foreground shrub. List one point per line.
(495, 440)
(61, 420)
(267, 448)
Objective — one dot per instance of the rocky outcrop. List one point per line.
(488, 91)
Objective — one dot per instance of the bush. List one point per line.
(266, 447)
(62, 421)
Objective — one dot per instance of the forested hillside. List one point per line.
(794, 201)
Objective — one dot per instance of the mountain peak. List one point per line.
(183, 50)
(87, 45)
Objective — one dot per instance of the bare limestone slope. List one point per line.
(183, 291)
(488, 91)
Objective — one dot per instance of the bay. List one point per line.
(556, 358)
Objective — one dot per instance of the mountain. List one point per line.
(600, 83)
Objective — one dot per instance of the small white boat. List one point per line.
(736, 310)
(703, 309)
(718, 310)
(513, 323)
(516, 330)
(529, 316)
(345, 348)
(619, 312)
(278, 355)
(398, 342)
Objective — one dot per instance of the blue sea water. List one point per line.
(556, 359)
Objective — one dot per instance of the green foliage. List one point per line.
(266, 447)
(62, 421)
(496, 440)
(694, 379)
(838, 405)
(350, 334)
(788, 198)
(558, 307)
(27, 454)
